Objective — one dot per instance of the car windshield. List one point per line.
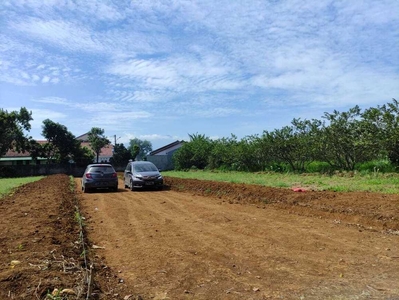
(102, 169)
(145, 168)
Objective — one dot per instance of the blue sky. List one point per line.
(160, 70)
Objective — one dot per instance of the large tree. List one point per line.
(62, 144)
(121, 155)
(12, 126)
(97, 140)
(144, 146)
(193, 154)
(344, 141)
(292, 145)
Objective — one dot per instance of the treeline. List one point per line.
(350, 140)
(61, 146)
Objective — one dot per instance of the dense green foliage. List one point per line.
(366, 141)
(61, 146)
(351, 140)
(121, 155)
(12, 127)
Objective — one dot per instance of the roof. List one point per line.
(166, 147)
(13, 153)
(106, 151)
(84, 137)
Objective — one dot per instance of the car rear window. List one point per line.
(102, 169)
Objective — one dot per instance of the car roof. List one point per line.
(99, 165)
(136, 162)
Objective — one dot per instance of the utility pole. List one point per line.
(116, 139)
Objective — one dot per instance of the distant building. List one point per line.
(24, 158)
(106, 152)
(162, 157)
(168, 149)
(14, 158)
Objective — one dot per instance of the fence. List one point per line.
(40, 170)
(163, 162)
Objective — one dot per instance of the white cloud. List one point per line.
(52, 100)
(39, 115)
(67, 35)
(202, 60)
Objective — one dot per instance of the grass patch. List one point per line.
(340, 182)
(8, 184)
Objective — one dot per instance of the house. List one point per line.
(106, 152)
(12, 157)
(168, 149)
(162, 157)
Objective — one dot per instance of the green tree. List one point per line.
(381, 131)
(144, 146)
(62, 144)
(121, 155)
(245, 158)
(12, 126)
(293, 145)
(97, 140)
(83, 156)
(343, 140)
(194, 153)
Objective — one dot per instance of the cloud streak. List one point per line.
(108, 63)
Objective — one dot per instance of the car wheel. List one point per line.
(131, 186)
(85, 189)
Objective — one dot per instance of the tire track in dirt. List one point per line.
(171, 245)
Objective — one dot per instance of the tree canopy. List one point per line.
(340, 140)
(139, 149)
(97, 140)
(121, 155)
(62, 144)
(12, 130)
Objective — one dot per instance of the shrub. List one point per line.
(383, 166)
(319, 167)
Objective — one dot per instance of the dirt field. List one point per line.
(199, 240)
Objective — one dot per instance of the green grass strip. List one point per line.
(342, 182)
(8, 184)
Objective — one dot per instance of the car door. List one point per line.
(126, 176)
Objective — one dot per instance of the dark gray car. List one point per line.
(98, 176)
(142, 174)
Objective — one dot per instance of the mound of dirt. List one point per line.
(41, 244)
(37, 240)
(371, 211)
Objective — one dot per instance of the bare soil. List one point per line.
(198, 240)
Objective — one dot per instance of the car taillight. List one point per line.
(114, 175)
(88, 175)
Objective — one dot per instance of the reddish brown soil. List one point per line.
(199, 240)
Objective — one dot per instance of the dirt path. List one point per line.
(176, 245)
